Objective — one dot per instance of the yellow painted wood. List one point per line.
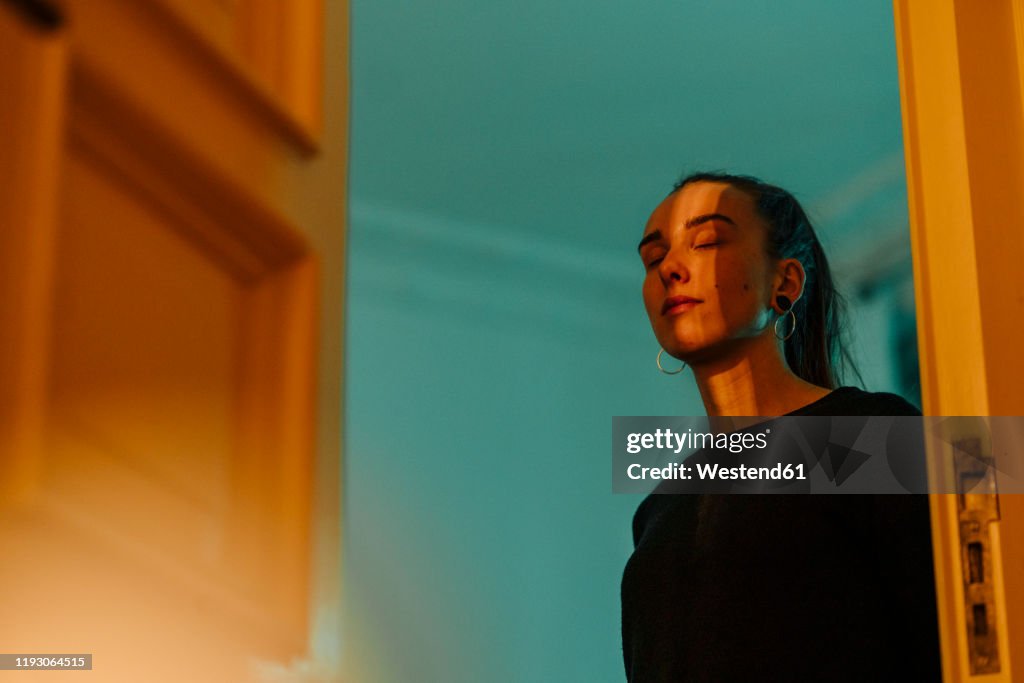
(173, 259)
(963, 123)
(32, 78)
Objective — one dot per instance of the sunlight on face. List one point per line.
(706, 242)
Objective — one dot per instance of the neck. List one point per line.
(749, 377)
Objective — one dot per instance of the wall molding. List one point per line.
(482, 274)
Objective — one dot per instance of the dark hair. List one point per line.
(816, 351)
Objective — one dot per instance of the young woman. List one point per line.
(767, 587)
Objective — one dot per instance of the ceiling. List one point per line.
(561, 124)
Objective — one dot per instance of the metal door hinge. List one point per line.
(977, 508)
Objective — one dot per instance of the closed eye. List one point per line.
(655, 262)
(706, 245)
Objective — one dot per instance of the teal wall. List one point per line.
(504, 159)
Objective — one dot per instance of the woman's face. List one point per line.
(706, 242)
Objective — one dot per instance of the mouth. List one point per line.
(678, 304)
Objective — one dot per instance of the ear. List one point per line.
(789, 282)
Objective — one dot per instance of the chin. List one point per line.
(686, 349)
(683, 350)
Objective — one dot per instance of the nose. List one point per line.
(672, 268)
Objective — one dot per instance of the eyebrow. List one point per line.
(690, 223)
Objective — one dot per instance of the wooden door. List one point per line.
(961, 85)
(163, 343)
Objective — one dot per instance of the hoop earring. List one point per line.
(792, 327)
(669, 372)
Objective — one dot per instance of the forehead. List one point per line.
(702, 198)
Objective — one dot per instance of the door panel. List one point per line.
(159, 320)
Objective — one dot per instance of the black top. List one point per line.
(747, 587)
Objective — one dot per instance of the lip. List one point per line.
(678, 304)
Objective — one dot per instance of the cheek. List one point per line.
(740, 272)
(653, 292)
(737, 289)
(731, 290)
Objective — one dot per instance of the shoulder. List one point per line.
(680, 508)
(650, 507)
(848, 400)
